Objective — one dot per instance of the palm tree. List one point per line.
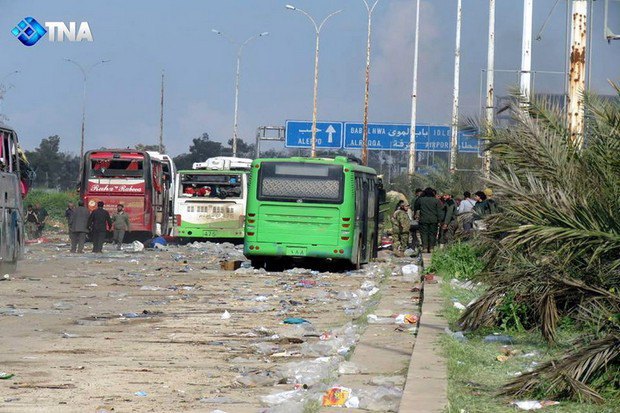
(555, 247)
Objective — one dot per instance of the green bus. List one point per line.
(312, 208)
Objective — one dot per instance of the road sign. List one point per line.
(384, 136)
(328, 134)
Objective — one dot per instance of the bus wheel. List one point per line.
(258, 263)
(358, 260)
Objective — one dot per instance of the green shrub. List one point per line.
(54, 202)
(459, 260)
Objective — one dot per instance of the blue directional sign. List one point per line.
(383, 136)
(328, 134)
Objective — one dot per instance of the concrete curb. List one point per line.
(426, 388)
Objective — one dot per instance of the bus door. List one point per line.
(361, 213)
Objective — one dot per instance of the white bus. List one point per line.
(210, 199)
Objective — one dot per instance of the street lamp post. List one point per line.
(317, 30)
(14, 72)
(370, 9)
(85, 72)
(237, 77)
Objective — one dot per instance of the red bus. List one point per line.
(137, 180)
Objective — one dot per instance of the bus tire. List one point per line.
(258, 263)
(358, 259)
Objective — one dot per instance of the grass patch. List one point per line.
(459, 260)
(475, 374)
(54, 202)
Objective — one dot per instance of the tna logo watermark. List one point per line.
(29, 31)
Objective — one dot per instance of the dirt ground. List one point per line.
(147, 331)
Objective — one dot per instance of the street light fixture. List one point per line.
(317, 29)
(370, 9)
(85, 72)
(237, 78)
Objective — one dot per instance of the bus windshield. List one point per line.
(211, 186)
(116, 168)
(300, 182)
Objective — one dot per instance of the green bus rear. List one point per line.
(311, 208)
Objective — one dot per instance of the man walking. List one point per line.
(98, 222)
(400, 229)
(429, 210)
(78, 227)
(120, 224)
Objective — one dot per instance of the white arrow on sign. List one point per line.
(330, 134)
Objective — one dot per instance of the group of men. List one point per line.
(435, 218)
(35, 221)
(96, 223)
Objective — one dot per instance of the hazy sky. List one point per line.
(143, 37)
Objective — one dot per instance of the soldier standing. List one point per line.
(98, 222)
(120, 224)
(400, 228)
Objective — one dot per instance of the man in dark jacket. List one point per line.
(430, 213)
(448, 223)
(78, 227)
(99, 221)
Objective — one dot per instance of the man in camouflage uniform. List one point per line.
(400, 229)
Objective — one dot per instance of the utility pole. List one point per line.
(161, 116)
(490, 86)
(85, 71)
(317, 31)
(455, 101)
(414, 94)
(577, 71)
(370, 9)
(526, 52)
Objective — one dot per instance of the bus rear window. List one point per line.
(300, 182)
(116, 168)
(211, 186)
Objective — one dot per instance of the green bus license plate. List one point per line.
(209, 233)
(299, 251)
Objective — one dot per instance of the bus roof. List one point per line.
(108, 153)
(211, 172)
(338, 160)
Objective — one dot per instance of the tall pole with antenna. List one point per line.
(490, 86)
(526, 52)
(414, 94)
(577, 71)
(455, 100)
(161, 116)
(370, 9)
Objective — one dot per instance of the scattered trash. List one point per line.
(261, 298)
(336, 396)
(6, 376)
(137, 246)
(257, 379)
(141, 393)
(5, 277)
(458, 306)
(410, 270)
(457, 335)
(226, 315)
(497, 338)
(406, 319)
(430, 279)
(347, 367)
(278, 398)
(306, 283)
(69, 335)
(534, 404)
(295, 320)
